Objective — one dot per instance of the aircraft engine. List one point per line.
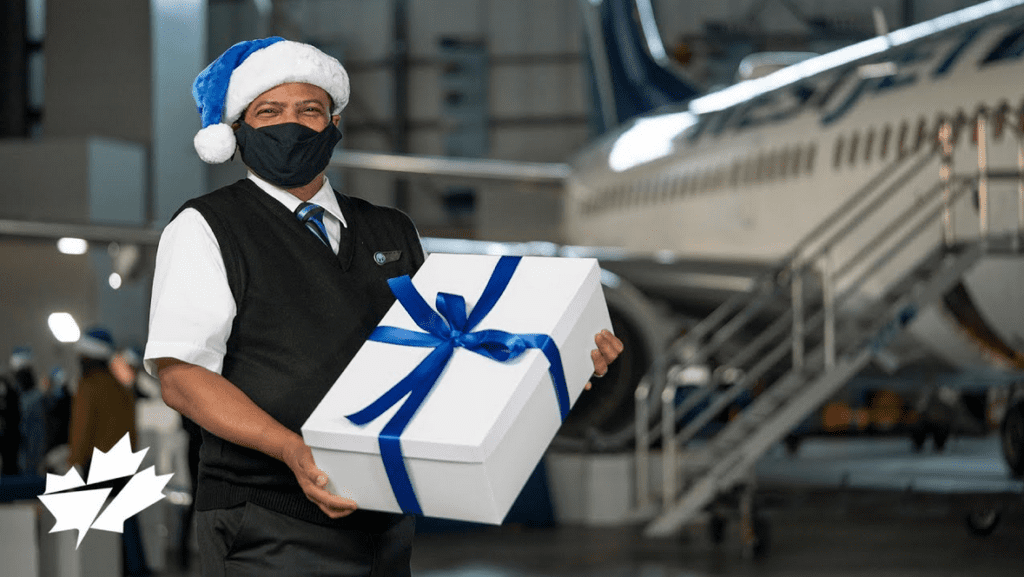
(602, 418)
(1011, 432)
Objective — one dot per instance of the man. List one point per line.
(33, 413)
(258, 305)
(10, 425)
(58, 416)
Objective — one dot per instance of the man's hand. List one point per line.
(214, 403)
(608, 349)
(299, 458)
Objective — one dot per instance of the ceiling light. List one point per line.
(64, 327)
(69, 245)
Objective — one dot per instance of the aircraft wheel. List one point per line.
(609, 409)
(1011, 436)
(983, 521)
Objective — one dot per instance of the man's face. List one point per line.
(292, 102)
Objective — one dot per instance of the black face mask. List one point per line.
(287, 155)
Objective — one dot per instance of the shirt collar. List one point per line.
(324, 197)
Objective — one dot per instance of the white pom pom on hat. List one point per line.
(215, 143)
(21, 357)
(225, 88)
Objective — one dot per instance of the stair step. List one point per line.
(729, 454)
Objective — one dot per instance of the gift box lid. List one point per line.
(475, 399)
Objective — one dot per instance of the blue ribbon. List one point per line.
(445, 331)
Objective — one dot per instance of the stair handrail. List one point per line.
(917, 216)
(769, 359)
(770, 285)
(783, 322)
(767, 289)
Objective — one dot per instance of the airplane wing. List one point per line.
(426, 166)
(40, 230)
(453, 167)
(663, 273)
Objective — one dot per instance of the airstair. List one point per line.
(837, 300)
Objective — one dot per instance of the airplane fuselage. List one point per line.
(745, 173)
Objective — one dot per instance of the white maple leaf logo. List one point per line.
(77, 506)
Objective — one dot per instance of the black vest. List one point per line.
(302, 313)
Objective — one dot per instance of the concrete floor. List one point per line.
(833, 526)
(845, 533)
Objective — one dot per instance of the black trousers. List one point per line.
(249, 540)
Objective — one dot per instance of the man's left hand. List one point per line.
(608, 349)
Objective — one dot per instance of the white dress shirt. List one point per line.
(192, 309)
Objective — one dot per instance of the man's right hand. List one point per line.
(299, 458)
(214, 403)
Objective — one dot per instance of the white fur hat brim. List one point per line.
(281, 63)
(93, 348)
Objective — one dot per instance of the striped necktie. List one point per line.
(312, 215)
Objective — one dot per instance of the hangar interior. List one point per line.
(130, 163)
(96, 143)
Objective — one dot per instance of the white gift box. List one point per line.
(480, 433)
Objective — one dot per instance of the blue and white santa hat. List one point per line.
(226, 87)
(95, 343)
(21, 357)
(58, 376)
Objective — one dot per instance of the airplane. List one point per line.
(689, 199)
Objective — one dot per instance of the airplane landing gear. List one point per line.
(1011, 436)
(754, 529)
(981, 522)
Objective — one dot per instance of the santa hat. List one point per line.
(21, 357)
(58, 377)
(95, 343)
(226, 87)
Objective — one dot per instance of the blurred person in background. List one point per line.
(10, 424)
(58, 408)
(32, 445)
(126, 366)
(103, 409)
(102, 412)
(58, 420)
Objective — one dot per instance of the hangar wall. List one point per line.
(120, 71)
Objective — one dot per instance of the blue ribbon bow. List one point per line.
(445, 331)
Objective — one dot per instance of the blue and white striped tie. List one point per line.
(312, 215)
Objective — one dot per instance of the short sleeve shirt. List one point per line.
(192, 308)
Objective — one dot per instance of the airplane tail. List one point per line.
(628, 63)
